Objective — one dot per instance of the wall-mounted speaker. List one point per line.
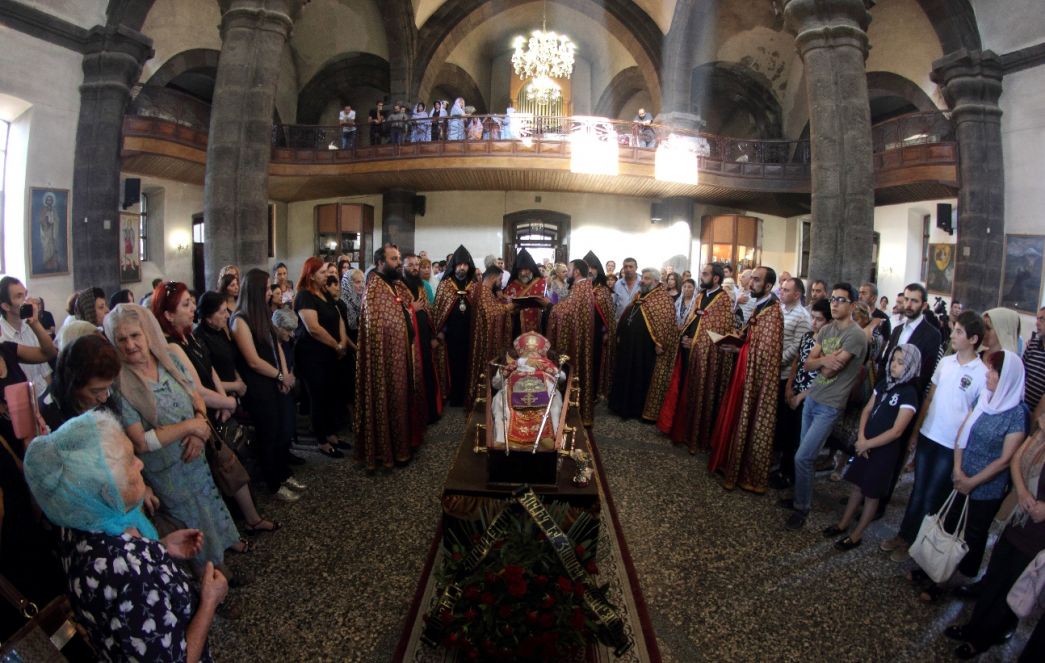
(943, 218)
(132, 191)
(420, 204)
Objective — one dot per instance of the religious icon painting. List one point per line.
(939, 278)
(130, 251)
(48, 231)
(1022, 273)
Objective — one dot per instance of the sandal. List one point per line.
(847, 544)
(930, 593)
(832, 531)
(246, 547)
(256, 528)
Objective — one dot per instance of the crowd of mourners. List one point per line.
(136, 433)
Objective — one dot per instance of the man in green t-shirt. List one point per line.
(841, 347)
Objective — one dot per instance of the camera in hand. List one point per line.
(25, 311)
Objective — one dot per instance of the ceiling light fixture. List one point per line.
(542, 58)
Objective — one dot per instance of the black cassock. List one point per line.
(636, 356)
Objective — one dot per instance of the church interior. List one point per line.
(888, 141)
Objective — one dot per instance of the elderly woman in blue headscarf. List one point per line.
(125, 586)
(165, 418)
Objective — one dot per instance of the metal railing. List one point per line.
(544, 129)
(923, 128)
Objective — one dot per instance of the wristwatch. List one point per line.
(279, 376)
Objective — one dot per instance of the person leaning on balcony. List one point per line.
(376, 119)
(644, 129)
(347, 121)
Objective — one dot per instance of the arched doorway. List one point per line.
(544, 233)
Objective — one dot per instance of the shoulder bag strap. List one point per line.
(27, 608)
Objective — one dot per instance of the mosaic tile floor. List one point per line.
(723, 580)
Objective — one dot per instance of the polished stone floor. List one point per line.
(723, 580)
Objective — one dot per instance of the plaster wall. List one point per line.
(900, 252)
(903, 42)
(287, 86)
(84, 13)
(40, 147)
(1008, 25)
(179, 25)
(329, 27)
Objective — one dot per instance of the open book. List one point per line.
(732, 339)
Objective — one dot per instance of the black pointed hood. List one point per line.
(596, 271)
(525, 261)
(460, 256)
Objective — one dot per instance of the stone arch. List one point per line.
(891, 95)
(455, 19)
(337, 79)
(735, 101)
(625, 85)
(954, 22)
(131, 13)
(194, 59)
(452, 82)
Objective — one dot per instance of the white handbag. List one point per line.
(1029, 589)
(935, 549)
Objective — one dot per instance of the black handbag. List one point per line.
(232, 434)
(45, 633)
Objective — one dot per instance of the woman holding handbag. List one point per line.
(992, 620)
(986, 443)
(174, 308)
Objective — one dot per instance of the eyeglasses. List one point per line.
(840, 300)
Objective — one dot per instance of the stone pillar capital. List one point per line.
(683, 121)
(827, 23)
(113, 57)
(971, 84)
(261, 15)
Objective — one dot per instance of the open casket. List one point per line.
(524, 430)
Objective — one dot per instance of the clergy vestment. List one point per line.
(690, 417)
(571, 330)
(453, 318)
(605, 339)
(647, 341)
(430, 370)
(529, 315)
(388, 425)
(742, 444)
(491, 337)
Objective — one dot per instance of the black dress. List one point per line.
(263, 404)
(317, 364)
(873, 473)
(636, 357)
(222, 350)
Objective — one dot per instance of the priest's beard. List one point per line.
(390, 273)
(706, 285)
(413, 282)
(525, 278)
(644, 289)
(569, 281)
(461, 276)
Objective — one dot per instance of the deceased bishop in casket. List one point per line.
(527, 402)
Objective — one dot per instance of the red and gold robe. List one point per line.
(529, 316)
(571, 330)
(742, 444)
(658, 334)
(388, 424)
(491, 338)
(434, 366)
(606, 315)
(448, 299)
(690, 418)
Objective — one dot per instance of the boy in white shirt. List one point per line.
(958, 381)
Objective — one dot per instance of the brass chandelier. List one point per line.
(542, 58)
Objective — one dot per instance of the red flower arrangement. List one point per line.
(519, 604)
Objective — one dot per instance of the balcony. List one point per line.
(915, 159)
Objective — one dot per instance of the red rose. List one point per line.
(541, 580)
(507, 630)
(577, 619)
(564, 584)
(578, 590)
(497, 545)
(517, 589)
(476, 538)
(470, 614)
(487, 598)
(471, 592)
(488, 646)
(580, 550)
(456, 556)
(504, 612)
(531, 617)
(447, 617)
(592, 568)
(548, 601)
(513, 571)
(547, 620)
(473, 653)
(453, 638)
(491, 577)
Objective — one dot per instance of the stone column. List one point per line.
(112, 62)
(971, 85)
(397, 219)
(235, 196)
(832, 40)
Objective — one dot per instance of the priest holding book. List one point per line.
(742, 443)
(526, 288)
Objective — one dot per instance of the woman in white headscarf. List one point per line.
(456, 124)
(165, 418)
(1001, 330)
(986, 443)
